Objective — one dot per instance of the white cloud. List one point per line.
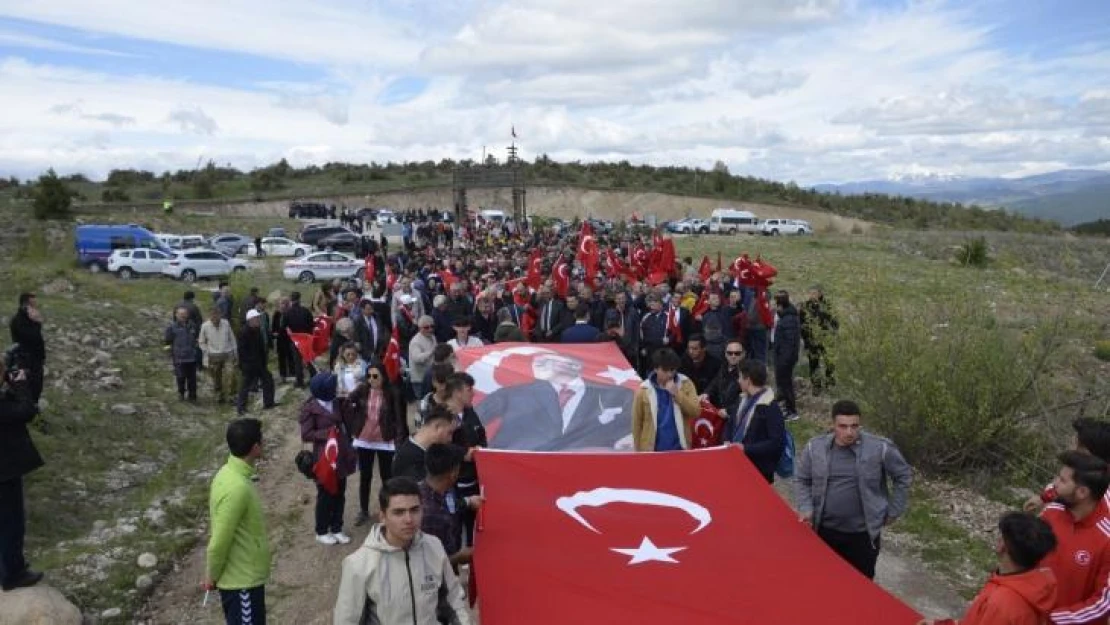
(809, 90)
(23, 40)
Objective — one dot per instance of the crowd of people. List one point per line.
(392, 394)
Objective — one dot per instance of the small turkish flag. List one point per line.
(370, 272)
(655, 539)
(392, 360)
(709, 427)
(325, 467)
(535, 266)
(705, 269)
(560, 275)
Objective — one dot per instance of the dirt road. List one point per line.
(306, 575)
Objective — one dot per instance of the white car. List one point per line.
(190, 265)
(130, 263)
(280, 246)
(690, 225)
(323, 266)
(775, 227)
(385, 216)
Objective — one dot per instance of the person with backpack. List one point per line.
(755, 422)
(843, 487)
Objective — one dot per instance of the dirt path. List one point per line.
(306, 575)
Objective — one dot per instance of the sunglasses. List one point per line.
(374, 376)
(734, 353)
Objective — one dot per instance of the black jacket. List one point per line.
(765, 437)
(788, 337)
(299, 319)
(18, 455)
(702, 376)
(252, 349)
(371, 350)
(28, 333)
(470, 433)
(561, 318)
(724, 390)
(394, 425)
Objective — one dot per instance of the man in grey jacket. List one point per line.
(841, 487)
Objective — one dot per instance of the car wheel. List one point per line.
(189, 275)
(298, 252)
(306, 276)
(125, 273)
(238, 270)
(732, 230)
(95, 267)
(775, 233)
(242, 250)
(705, 230)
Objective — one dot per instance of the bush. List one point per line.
(1102, 350)
(947, 383)
(974, 253)
(52, 197)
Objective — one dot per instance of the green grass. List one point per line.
(84, 443)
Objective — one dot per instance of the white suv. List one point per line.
(775, 227)
(130, 263)
(200, 263)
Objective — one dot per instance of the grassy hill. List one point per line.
(281, 181)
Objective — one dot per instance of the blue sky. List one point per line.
(805, 90)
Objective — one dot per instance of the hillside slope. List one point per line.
(568, 202)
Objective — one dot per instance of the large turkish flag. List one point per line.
(693, 537)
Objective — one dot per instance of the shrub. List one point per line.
(948, 383)
(1102, 350)
(973, 253)
(52, 197)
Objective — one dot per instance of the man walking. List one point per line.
(818, 326)
(755, 423)
(217, 343)
(252, 362)
(181, 340)
(842, 491)
(788, 343)
(26, 328)
(399, 573)
(18, 457)
(238, 550)
(298, 319)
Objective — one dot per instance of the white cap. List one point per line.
(252, 313)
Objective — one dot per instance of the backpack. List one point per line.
(785, 466)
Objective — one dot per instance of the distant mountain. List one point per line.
(1070, 196)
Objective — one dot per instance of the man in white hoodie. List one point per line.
(399, 573)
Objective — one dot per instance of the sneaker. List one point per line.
(327, 539)
(361, 519)
(792, 416)
(341, 538)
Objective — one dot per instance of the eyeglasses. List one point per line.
(734, 353)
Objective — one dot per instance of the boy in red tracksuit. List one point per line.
(1091, 436)
(1079, 518)
(1019, 592)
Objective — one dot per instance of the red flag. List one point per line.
(560, 275)
(709, 427)
(392, 360)
(588, 252)
(674, 323)
(370, 272)
(448, 277)
(763, 306)
(325, 467)
(640, 260)
(309, 346)
(702, 305)
(535, 266)
(635, 538)
(705, 269)
(390, 278)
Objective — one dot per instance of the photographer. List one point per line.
(26, 328)
(18, 457)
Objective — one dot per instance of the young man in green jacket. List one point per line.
(239, 551)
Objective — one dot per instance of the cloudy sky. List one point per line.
(804, 90)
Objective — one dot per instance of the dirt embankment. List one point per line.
(567, 202)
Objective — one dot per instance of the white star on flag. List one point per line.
(648, 552)
(618, 376)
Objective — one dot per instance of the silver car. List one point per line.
(201, 263)
(229, 243)
(323, 266)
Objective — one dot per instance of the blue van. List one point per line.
(95, 243)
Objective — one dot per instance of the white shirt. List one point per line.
(471, 341)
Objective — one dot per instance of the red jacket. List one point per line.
(1081, 563)
(1017, 599)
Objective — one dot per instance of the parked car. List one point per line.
(690, 225)
(230, 244)
(95, 243)
(190, 265)
(366, 214)
(732, 221)
(323, 266)
(131, 263)
(192, 241)
(280, 246)
(775, 227)
(385, 216)
(311, 236)
(340, 241)
(307, 210)
(171, 241)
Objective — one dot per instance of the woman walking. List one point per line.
(377, 418)
(319, 414)
(350, 371)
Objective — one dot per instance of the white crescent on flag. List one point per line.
(599, 497)
(331, 452)
(588, 245)
(564, 271)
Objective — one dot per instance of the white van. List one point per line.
(493, 215)
(171, 241)
(732, 221)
